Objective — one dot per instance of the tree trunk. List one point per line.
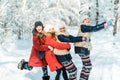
(97, 11)
(115, 25)
(116, 17)
(89, 9)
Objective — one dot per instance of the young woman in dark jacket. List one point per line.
(82, 43)
(83, 48)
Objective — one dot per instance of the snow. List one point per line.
(20, 15)
(104, 56)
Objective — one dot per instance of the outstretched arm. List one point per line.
(87, 28)
(70, 38)
(56, 44)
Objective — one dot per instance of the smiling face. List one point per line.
(39, 29)
(86, 20)
(52, 30)
(62, 29)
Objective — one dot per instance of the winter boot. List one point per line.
(21, 64)
(46, 77)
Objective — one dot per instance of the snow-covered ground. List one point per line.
(105, 58)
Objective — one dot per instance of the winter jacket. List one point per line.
(64, 55)
(88, 28)
(85, 31)
(65, 37)
(34, 59)
(56, 45)
(69, 38)
(59, 47)
(52, 61)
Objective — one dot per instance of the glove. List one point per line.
(50, 47)
(109, 23)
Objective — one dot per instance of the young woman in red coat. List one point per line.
(59, 49)
(37, 57)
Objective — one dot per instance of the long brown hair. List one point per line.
(54, 36)
(39, 36)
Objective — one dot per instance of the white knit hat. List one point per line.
(60, 26)
(84, 17)
(48, 26)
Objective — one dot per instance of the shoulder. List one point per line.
(48, 34)
(34, 36)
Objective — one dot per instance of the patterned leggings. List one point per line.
(71, 68)
(87, 66)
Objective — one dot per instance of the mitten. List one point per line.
(109, 23)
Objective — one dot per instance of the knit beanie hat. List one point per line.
(48, 26)
(84, 17)
(38, 23)
(59, 26)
